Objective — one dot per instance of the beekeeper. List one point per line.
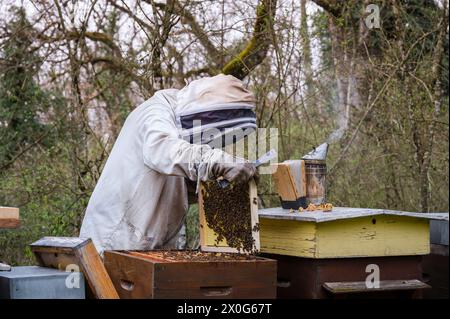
(141, 197)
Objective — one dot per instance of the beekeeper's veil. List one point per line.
(215, 110)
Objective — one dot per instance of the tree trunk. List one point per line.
(306, 60)
(257, 47)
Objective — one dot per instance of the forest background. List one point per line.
(369, 77)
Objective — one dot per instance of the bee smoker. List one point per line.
(316, 172)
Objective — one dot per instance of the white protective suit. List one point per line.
(140, 200)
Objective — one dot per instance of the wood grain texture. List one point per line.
(349, 287)
(290, 179)
(9, 212)
(9, 217)
(138, 277)
(381, 235)
(369, 236)
(59, 253)
(96, 273)
(284, 182)
(253, 193)
(288, 237)
(208, 236)
(9, 223)
(132, 279)
(303, 178)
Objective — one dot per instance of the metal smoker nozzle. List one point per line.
(318, 153)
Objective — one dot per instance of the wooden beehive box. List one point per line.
(76, 254)
(208, 237)
(344, 232)
(309, 278)
(153, 275)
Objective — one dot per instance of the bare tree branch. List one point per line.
(189, 19)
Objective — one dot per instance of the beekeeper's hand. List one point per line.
(234, 172)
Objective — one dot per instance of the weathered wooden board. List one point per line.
(208, 236)
(284, 182)
(9, 223)
(9, 217)
(139, 277)
(290, 180)
(9, 212)
(363, 236)
(288, 238)
(350, 287)
(64, 252)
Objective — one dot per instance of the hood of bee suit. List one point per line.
(214, 110)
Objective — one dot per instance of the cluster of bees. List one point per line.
(190, 255)
(227, 213)
(326, 207)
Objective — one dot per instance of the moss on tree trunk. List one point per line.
(256, 49)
